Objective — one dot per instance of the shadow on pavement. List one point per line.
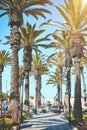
(42, 116)
(25, 126)
(46, 122)
(59, 127)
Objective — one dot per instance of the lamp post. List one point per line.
(22, 86)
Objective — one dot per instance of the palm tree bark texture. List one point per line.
(77, 112)
(38, 89)
(27, 59)
(60, 75)
(15, 21)
(26, 102)
(76, 53)
(15, 45)
(58, 91)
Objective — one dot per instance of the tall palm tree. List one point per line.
(5, 59)
(30, 41)
(55, 80)
(75, 16)
(15, 10)
(63, 42)
(39, 67)
(56, 60)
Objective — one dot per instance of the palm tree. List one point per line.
(15, 10)
(63, 42)
(56, 60)
(39, 67)
(20, 75)
(55, 80)
(5, 59)
(30, 41)
(75, 16)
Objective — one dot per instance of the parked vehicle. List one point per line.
(42, 109)
(65, 113)
(54, 109)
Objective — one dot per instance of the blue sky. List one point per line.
(47, 90)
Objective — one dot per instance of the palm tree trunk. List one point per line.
(58, 90)
(69, 91)
(27, 59)
(36, 99)
(60, 68)
(68, 64)
(77, 101)
(36, 92)
(67, 103)
(39, 91)
(26, 102)
(84, 85)
(76, 51)
(14, 89)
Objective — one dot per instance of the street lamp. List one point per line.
(22, 86)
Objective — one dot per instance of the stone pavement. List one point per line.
(46, 121)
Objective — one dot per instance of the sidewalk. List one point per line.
(48, 121)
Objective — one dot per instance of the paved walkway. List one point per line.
(47, 121)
